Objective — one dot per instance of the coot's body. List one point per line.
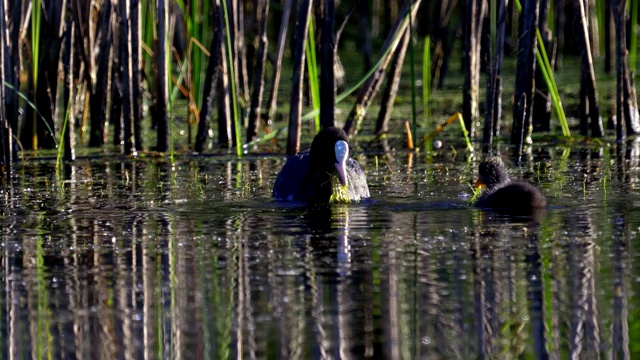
(314, 175)
(504, 194)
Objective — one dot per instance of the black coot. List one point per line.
(323, 173)
(504, 194)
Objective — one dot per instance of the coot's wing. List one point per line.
(290, 178)
(357, 181)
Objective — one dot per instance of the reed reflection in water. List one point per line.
(142, 259)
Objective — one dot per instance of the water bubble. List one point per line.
(426, 340)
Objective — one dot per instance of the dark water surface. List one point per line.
(140, 259)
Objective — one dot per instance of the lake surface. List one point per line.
(132, 259)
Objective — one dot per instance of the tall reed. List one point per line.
(232, 77)
(633, 36)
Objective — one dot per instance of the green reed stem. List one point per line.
(36, 16)
(426, 81)
(61, 144)
(232, 80)
(413, 77)
(312, 70)
(600, 15)
(465, 132)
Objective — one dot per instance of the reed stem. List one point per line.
(234, 100)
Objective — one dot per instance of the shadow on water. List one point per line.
(145, 259)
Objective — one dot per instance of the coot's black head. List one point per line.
(329, 154)
(492, 173)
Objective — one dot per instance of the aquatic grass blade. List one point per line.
(33, 106)
(312, 71)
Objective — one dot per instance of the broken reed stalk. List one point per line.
(391, 90)
(275, 83)
(258, 71)
(300, 39)
(407, 129)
